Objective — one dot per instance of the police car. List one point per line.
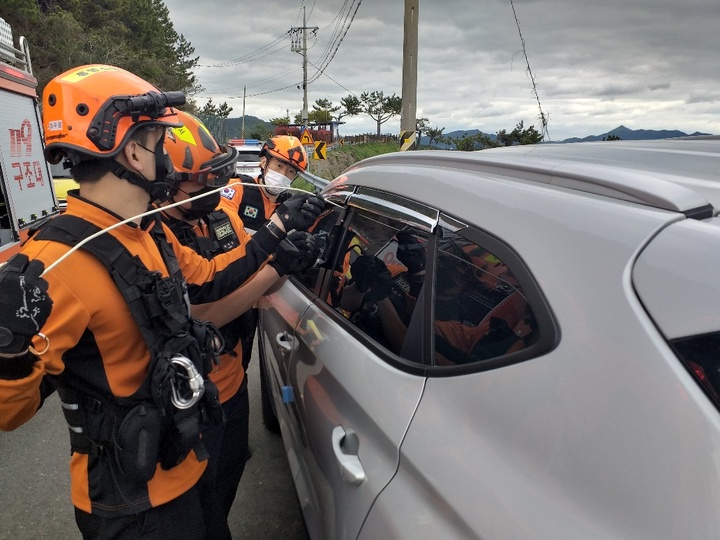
(248, 160)
(513, 343)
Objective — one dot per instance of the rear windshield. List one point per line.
(248, 156)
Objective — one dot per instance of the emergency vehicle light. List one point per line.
(243, 142)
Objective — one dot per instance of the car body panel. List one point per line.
(604, 435)
(325, 370)
(672, 281)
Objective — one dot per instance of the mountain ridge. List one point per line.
(621, 131)
(252, 123)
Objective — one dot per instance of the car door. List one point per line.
(353, 396)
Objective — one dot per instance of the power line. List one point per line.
(253, 56)
(330, 58)
(543, 116)
(333, 80)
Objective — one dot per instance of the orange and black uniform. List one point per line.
(96, 344)
(227, 444)
(251, 203)
(254, 208)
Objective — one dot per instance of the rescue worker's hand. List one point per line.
(25, 303)
(410, 252)
(372, 277)
(296, 253)
(300, 211)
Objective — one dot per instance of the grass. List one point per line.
(342, 157)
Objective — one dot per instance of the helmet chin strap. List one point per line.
(158, 190)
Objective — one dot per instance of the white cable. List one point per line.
(154, 211)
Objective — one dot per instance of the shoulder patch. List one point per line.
(250, 211)
(228, 193)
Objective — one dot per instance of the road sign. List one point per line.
(407, 140)
(306, 138)
(320, 150)
(342, 142)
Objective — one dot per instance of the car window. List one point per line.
(325, 229)
(481, 311)
(252, 157)
(699, 355)
(379, 277)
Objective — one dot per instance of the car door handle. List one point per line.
(351, 469)
(286, 343)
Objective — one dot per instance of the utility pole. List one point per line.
(409, 76)
(242, 129)
(302, 49)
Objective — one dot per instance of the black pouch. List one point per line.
(137, 442)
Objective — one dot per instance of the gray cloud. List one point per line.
(641, 63)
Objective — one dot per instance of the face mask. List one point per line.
(276, 183)
(203, 206)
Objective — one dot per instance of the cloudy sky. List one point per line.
(645, 64)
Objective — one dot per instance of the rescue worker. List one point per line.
(282, 158)
(129, 362)
(210, 227)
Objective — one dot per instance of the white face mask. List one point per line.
(276, 183)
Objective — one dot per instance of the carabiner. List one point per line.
(194, 381)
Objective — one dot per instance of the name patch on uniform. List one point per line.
(250, 211)
(228, 193)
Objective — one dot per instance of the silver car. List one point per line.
(519, 343)
(248, 159)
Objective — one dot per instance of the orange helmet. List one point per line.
(287, 148)
(93, 110)
(196, 155)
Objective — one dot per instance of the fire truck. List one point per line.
(27, 195)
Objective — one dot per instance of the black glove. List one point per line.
(300, 211)
(410, 252)
(296, 253)
(25, 303)
(371, 277)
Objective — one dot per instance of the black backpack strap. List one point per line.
(167, 309)
(252, 208)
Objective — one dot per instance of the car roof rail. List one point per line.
(625, 184)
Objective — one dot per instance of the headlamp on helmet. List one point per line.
(92, 111)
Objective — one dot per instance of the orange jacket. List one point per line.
(229, 375)
(250, 215)
(91, 323)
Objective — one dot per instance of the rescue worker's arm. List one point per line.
(239, 301)
(208, 281)
(295, 254)
(25, 308)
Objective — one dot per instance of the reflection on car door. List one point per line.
(352, 410)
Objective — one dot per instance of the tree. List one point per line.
(519, 136)
(379, 107)
(434, 134)
(421, 126)
(136, 35)
(323, 109)
(280, 121)
(351, 107)
(214, 116)
(612, 138)
(466, 143)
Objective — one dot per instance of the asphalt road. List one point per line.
(35, 483)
